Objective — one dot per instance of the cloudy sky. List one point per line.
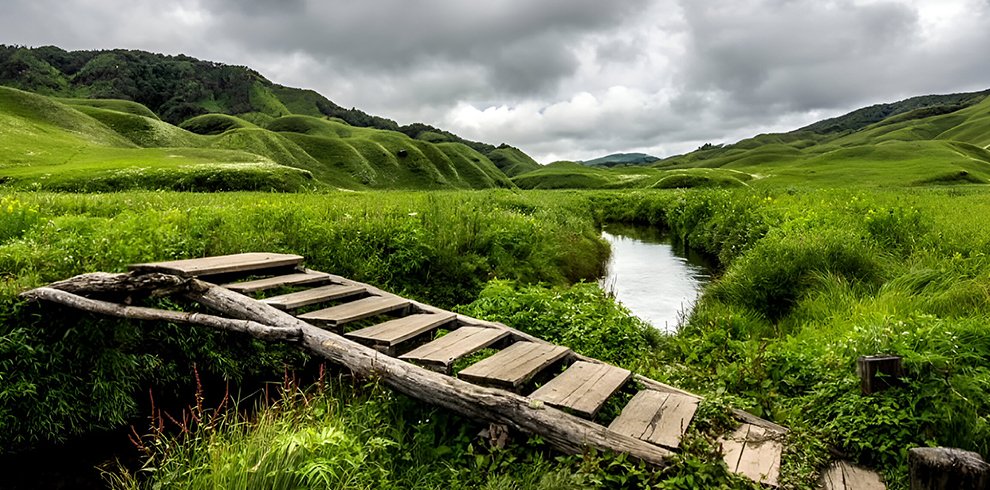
(561, 79)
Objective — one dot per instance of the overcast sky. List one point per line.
(561, 79)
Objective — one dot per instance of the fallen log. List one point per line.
(562, 431)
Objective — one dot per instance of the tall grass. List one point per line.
(67, 374)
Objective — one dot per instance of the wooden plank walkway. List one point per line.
(653, 421)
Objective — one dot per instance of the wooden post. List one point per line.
(877, 373)
(944, 468)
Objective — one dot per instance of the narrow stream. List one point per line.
(657, 281)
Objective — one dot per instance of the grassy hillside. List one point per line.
(572, 175)
(95, 145)
(177, 88)
(932, 140)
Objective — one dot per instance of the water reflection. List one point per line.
(657, 281)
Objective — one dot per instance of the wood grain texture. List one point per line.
(754, 452)
(843, 475)
(583, 387)
(462, 342)
(393, 332)
(258, 285)
(222, 264)
(657, 417)
(356, 310)
(321, 294)
(514, 365)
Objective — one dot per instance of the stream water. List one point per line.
(657, 280)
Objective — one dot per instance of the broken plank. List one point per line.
(583, 387)
(356, 310)
(257, 285)
(753, 452)
(843, 475)
(393, 332)
(657, 417)
(298, 299)
(513, 366)
(638, 416)
(223, 264)
(462, 342)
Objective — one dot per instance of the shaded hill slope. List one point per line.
(176, 88)
(97, 145)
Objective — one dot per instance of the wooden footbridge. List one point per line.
(427, 353)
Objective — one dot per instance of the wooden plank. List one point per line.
(639, 415)
(514, 365)
(462, 342)
(312, 296)
(257, 285)
(356, 310)
(674, 418)
(657, 417)
(753, 452)
(221, 264)
(583, 387)
(393, 332)
(843, 475)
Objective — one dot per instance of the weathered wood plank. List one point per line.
(639, 415)
(753, 452)
(298, 299)
(514, 365)
(657, 417)
(843, 475)
(356, 310)
(257, 285)
(583, 387)
(462, 342)
(675, 416)
(393, 332)
(222, 264)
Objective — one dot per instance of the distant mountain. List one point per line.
(177, 88)
(621, 159)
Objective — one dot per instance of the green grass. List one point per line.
(125, 106)
(570, 175)
(213, 124)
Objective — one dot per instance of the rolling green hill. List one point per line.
(923, 141)
(104, 145)
(177, 88)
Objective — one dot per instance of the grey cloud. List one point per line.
(694, 71)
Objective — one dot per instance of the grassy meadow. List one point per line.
(865, 237)
(812, 278)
